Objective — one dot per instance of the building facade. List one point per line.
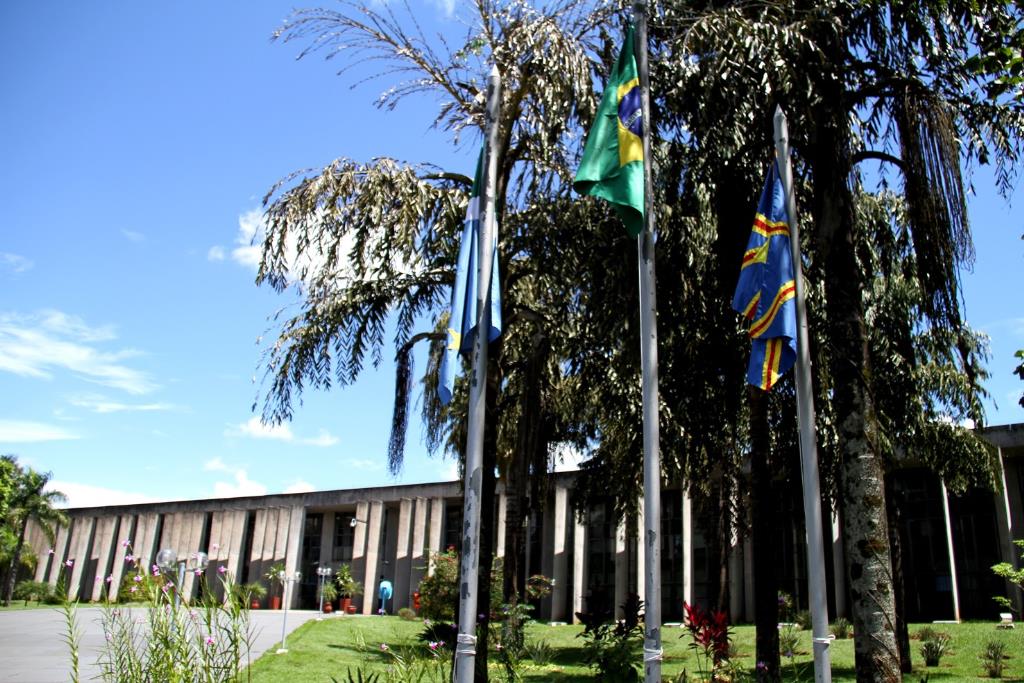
(948, 544)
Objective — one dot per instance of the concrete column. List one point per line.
(838, 565)
(370, 572)
(952, 556)
(144, 544)
(43, 553)
(640, 553)
(194, 527)
(403, 565)
(688, 587)
(499, 550)
(80, 543)
(234, 559)
(748, 579)
(621, 569)
(559, 559)
(579, 566)
(296, 522)
(419, 534)
(60, 547)
(102, 549)
(283, 523)
(216, 524)
(270, 536)
(327, 540)
(175, 533)
(436, 522)
(121, 550)
(256, 551)
(359, 548)
(1004, 524)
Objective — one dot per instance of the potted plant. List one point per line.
(249, 593)
(328, 593)
(348, 587)
(275, 576)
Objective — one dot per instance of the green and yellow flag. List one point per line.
(613, 160)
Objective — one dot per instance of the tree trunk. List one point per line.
(12, 570)
(763, 526)
(866, 532)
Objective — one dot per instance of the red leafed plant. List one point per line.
(709, 632)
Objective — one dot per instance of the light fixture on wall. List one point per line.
(355, 520)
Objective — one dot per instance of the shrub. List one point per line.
(789, 640)
(439, 592)
(539, 651)
(934, 646)
(842, 628)
(439, 632)
(32, 591)
(614, 649)
(803, 620)
(992, 658)
(407, 614)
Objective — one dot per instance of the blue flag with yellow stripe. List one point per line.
(766, 291)
(462, 322)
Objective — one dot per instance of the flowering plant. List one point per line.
(709, 634)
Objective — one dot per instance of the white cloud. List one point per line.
(21, 431)
(216, 253)
(299, 486)
(446, 6)
(450, 472)
(133, 236)
(15, 263)
(364, 464)
(86, 495)
(41, 344)
(254, 428)
(100, 404)
(323, 439)
(249, 239)
(240, 485)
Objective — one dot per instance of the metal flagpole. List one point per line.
(805, 413)
(649, 363)
(465, 647)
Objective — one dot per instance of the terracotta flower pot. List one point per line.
(275, 602)
(346, 604)
(328, 607)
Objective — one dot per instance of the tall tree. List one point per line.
(885, 82)
(30, 502)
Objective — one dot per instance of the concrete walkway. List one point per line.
(32, 648)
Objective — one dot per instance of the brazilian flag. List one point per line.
(766, 291)
(613, 159)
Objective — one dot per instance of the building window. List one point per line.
(344, 537)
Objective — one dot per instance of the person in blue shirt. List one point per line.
(384, 593)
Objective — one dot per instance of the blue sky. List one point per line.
(137, 143)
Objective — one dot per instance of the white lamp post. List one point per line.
(285, 581)
(167, 558)
(324, 573)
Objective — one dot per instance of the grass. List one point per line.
(318, 651)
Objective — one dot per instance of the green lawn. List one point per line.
(320, 650)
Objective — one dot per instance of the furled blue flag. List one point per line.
(463, 319)
(766, 290)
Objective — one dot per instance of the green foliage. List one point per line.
(511, 640)
(245, 593)
(329, 592)
(439, 592)
(934, 645)
(1006, 571)
(539, 651)
(1019, 371)
(348, 587)
(207, 641)
(993, 658)
(803, 620)
(613, 650)
(32, 591)
(408, 614)
(842, 628)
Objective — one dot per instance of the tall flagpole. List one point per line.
(465, 646)
(649, 363)
(805, 413)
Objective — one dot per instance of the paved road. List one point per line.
(31, 649)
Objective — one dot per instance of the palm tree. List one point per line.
(30, 501)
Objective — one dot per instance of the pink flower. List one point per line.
(69, 563)
(138, 578)
(50, 551)
(222, 569)
(127, 543)
(199, 572)
(134, 589)
(434, 645)
(166, 587)
(156, 570)
(210, 640)
(110, 578)
(129, 558)
(384, 647)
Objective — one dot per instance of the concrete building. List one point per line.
(948, 543)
